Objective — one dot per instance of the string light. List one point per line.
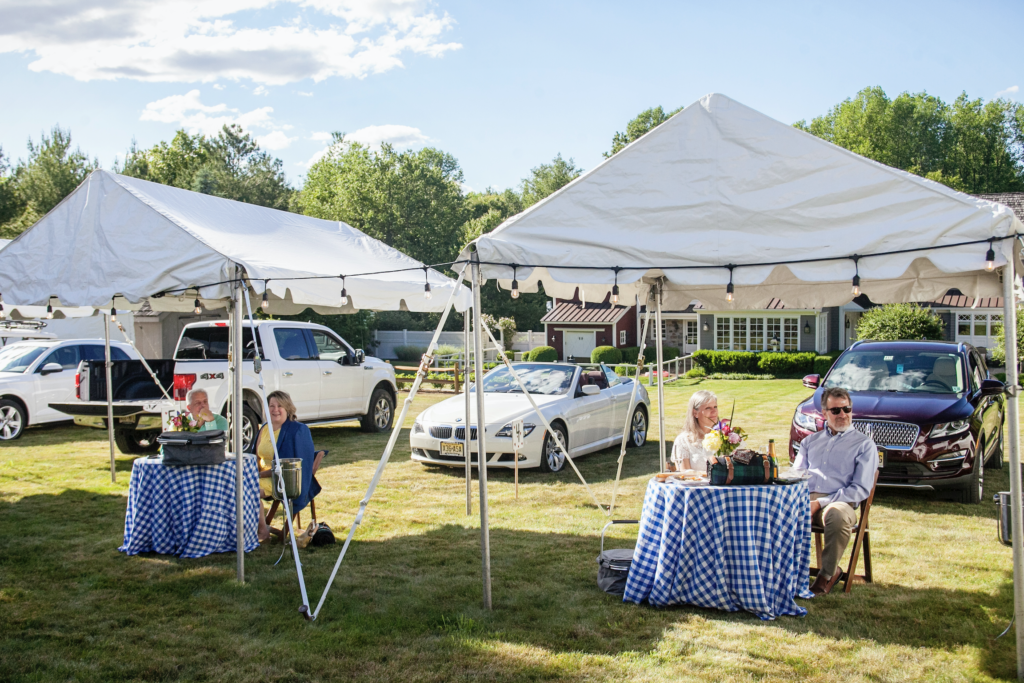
(199, 307)
(515, 284)
(426, 287)
(265, 304)
(990, 258)
(615, 288)
(856, 275)
(2, 314)
(344, 294)
(49, 310)
(113, 311)
(729, 288)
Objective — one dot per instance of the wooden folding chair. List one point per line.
(862, 538)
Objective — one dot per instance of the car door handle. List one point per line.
(367, 367)
(327, 372)
(287, 374)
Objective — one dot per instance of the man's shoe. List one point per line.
(827, 588)
(818, 587)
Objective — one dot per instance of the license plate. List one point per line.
(451, 448)
(881, 458)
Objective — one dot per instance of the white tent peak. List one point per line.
(720, 183)
(117, 235)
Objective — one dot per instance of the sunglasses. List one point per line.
(844, 409)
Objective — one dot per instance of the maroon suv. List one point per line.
(930, 406)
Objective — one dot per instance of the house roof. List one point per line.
(1012, 200)
(773, 305)
(574, 312)
(961, 301)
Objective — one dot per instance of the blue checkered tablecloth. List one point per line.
(727, 547)
(189, 511)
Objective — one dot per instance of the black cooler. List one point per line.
(193, 448)
(613, 565)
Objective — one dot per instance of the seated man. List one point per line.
(197, 402)
(842, 463)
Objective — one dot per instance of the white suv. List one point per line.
(34, 374)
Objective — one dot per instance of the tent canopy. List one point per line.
(122, 236)
(721, 184)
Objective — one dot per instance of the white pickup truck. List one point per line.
(328, 380)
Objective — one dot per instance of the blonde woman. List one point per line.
(688, 453)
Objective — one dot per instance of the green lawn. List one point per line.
(407, 607)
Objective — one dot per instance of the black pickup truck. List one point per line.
(138, 401)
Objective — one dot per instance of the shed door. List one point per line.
(578, 345)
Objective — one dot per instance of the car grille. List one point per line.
(441, 432)
(896, 435)
(460, 433)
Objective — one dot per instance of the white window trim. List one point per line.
(781, 317)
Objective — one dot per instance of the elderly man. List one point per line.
(842, 463)
(197, 402)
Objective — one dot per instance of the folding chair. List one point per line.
(862, 537)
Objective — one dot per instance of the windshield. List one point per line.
(908, 371)
(18, 358)
(539, 378)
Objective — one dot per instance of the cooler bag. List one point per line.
(193, 448)
(613, 565)
(742, 468)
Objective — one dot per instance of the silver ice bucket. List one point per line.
(1002, 501)
(291, 473)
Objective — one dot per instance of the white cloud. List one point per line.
(190, 113)
(1009, 92)
(218, 86)
(275, 141)
(322, 136)
(399, 136)
(303, 94)
(260, 90)
(190, 41)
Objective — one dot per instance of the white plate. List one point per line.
(690, 482)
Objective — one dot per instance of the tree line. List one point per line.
(414, 200)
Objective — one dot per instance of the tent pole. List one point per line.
(1013, 434)
(467, 441)
(659, 344)
(110, 398)
(481, 446)
(238, 352)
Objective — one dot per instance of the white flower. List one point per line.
(712, 441)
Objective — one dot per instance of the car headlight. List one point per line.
(417, 426)
(805, 421)
(950, 428)
(506, 431)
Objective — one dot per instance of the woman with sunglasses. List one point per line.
(842, 463)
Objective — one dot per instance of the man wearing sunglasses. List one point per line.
(842, 463)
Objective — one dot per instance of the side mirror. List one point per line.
(812, 381)
(992, 387)
(51, 368)
(590, 389)
(360, 356)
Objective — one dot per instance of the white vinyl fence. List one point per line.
(387, 340)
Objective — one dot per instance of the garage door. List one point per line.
(578, 345)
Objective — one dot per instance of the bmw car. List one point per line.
(586, 405)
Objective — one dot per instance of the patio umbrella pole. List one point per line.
(659, 344)
(1013, 429)
(467, 436)
(481, 447)
(110, 399)
(237, 354)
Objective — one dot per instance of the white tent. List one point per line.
(725, 205)
(122, 236)
(720, 184)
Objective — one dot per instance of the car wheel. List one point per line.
(12, 420)
(995, 461)
(551, 458)
(382, 412)
(134, 441)
(972, 493)
(638, 428)
(250, 423)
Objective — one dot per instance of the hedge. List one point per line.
(726, 361)
(667, 353)
(782, 364)
(410, 353)
(543, 354)
(630, 353)
(770, 363)
(606, 354)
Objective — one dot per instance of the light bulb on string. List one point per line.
(344, 294)
(729, 288)
(856, 275)
(265, 304)
(49, 310)
(2, 314)
(113, 314)
(615, 289)
(426, 287)
(515, 284)
(199, 307)
(990, 258)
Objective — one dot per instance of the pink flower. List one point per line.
(734, 438)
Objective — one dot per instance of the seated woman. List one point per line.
(688, 452)
(294, 440)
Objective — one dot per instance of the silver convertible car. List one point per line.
(587, 405)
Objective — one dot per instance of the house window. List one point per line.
(622, 337)
(963, 325)
(791, 334)
(757, 334)
(996, 325)
(773, 334)
(663, 330)
(722, 340)
(691, 332)
(739, 334)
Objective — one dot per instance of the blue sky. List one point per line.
(503, 87)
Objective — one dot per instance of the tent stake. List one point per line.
(481, 438)
(110, 397)
(1013, 429)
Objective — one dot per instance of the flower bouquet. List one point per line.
(182, 422)
(723, 438)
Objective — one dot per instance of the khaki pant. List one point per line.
(838, 519)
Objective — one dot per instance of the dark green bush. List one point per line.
(606, 354)
(667, 353)
(410, 353)
(695, 372)
(892, 322)
(726, 361)
(786, 364)
(630, 353)
(822, 364)
(543, 354)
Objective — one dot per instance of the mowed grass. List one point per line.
(406, 605)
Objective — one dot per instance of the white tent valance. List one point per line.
(720, 184)
(125, 237)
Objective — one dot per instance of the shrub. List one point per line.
(543, 354)
(410, 353)
(822, 364)
(783, 364)
(726, 361)
(506, 325)
(606, 354)
(739, 376)
(899, 321)
(997, 352)
(630, 354)
(1001, 376)
(695, 372)
(667, 352)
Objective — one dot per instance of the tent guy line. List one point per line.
(856, 258)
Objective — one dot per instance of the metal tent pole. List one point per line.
(110, 395)
(481, 445)
(238, 353)
(659, 344)
(1013, 429)
(467, 436)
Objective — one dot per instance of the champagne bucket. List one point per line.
(291, 473)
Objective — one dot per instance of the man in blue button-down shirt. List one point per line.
(842, 463)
